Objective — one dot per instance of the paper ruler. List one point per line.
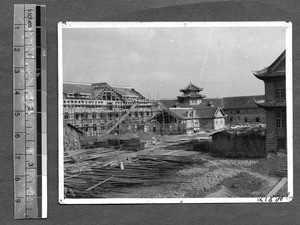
(29, 111)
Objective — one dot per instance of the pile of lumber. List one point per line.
(82, 160)
(98, 175)
(128, 144)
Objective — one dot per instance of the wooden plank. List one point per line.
(278, 186)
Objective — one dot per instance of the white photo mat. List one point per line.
(135, 25)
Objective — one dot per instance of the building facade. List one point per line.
(191, 95)
(274, 104)
(97, 108)
(203, 114)
(243, 109)
(174, 121)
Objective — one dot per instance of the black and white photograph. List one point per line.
(175, 112)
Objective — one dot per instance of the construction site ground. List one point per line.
(203, 175)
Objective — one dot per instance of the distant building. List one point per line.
(203, 114)
(243, 109)
(176, 121)
(239, 109)
(191, 95)
(274, 103)
(211, 118)
(96, 108)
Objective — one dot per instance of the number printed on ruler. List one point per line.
(26, 119)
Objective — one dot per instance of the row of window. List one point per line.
(94, 115)
(280, 118)
(240, 111)
(96, 127)
(245, 119)
(99, 102)
(109, 96)
(89, 102)
(77, 95)
(109, 107)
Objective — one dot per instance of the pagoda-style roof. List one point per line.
(191, 87)
(274, 71)
(191, 95)
(271, 104)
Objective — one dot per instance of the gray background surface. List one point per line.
(137, 10)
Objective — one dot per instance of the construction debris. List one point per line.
(118, 165)
(88, 177)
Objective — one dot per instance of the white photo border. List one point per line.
(289, 108)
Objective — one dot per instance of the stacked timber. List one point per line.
(128, 144)
(132, 144)
(114, 142)
(102, 143)
(134, 147)
(103, 179)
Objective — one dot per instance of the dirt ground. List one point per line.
(209, 177)
(203, 175)
(215, 178)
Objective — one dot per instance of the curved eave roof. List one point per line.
(192, 95)
(191, 87)
(265, 75)
(272, 71)
(271, 104)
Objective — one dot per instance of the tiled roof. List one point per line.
(273, 70)
(101, 84)
(98, 91)
(225, 103)
(96, 88)
(216, 102)
(202, 110)
(72, 88)
(208, 113)
(209, 102)
(192, 95)
(191, 87)
(274, 103)
(182, 113)
(99, 87)
(166, 104)
(126, 92)
(245, 102)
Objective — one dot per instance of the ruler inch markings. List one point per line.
(29, 191)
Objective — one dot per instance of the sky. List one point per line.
(158, 61)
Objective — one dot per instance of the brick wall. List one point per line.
(270, 91)
(271, 135)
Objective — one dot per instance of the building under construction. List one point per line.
(99, 108)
